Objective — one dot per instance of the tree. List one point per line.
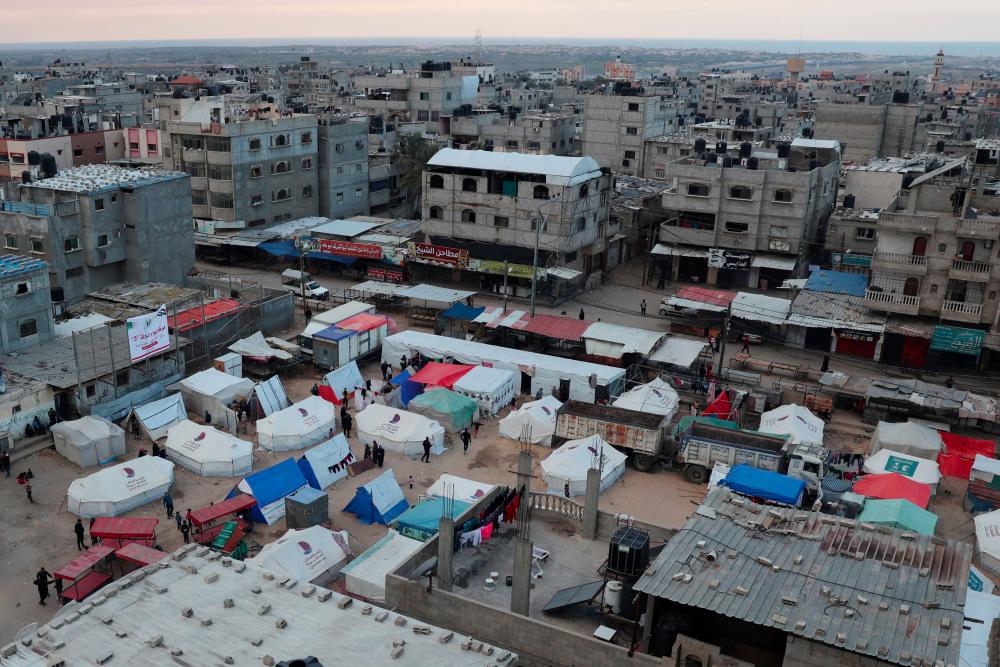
(414, 151)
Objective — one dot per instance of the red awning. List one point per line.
(891, 486)
(714, 297)
(124, 528)
(553, 326)
(85, 561)
(233, 505)
(363, 322)
(958, 453)
(720, 407)
(195, 317)
(139, 554)
(442, 375)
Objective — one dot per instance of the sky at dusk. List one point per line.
(298, 20)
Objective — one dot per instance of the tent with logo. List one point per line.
(270, 396)
(120, 488)
(656, 397)
(379, 501)
(335, 383)
(569, 465)
(296, 427)
(988, 540)
(492, 388)
(906, 438)
(534, 421)
(327, 462)
(900, 514)
(207, 451)
(795, 421)
(156, 417)
(312, 555)
(89, 441)
(892, 486)
(269, 488)
(913, 467)
(398, 431)
(365, 575)
(206, 390)
(448, 408)
(459, 488)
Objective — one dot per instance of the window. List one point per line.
(102, 241)
(217, 144)
(10, 241)
(281, 194)
(307, 137)
(340, 170)
(21, 288)
(281, 167)
(633, 106)
(737, 227)
(359, 144)
(534, 145)
(660, 173)
(199, 198)
(37, 245)
(307, 163)
(942, 247)
(630, 155)
(424, 97)
(581, 224)
(436, 213)
(359, 193)
(99, 204)
(196, 169)
(468, 215)
(358, 167)
(422, 115)
(114, 199)
(221, 199)
(255, 171)
(91, 390)
(196, 144)
(71, 244)
(740, 192)
(255, 144)
(468, 185)
(220, 172)
(279, 140)
(256, 199)
(99, 150)
(571, 257)
(436, 181)
(77, 152)
(28, 328)
(697, 190)
(447, 96)
(152, 148)
(783, 196)
(540, 192)
(632, 131)
(779, 231)
(501, 221)
(74, 273)
(512, 143)
(307, 191)
(934, 289)
(340, 196)
(864, 233)
(133, 145)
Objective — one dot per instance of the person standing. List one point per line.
(168, 504)
(368, 451)
(826, 363)
(27, 490)
(346, 422)
(426, 458)
(42, 581)
(5, 464)
(746, 345)
(186, 532)
(581, 314)
(179, 518)
(466, 439)
(642, 307)
(78, 529)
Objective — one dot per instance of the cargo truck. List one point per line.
(643, 436)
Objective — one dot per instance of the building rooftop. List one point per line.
(558, 169)
(99, 177)
(15, 265)
(197, 608)
(345, 228)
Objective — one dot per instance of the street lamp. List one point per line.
(539, 223)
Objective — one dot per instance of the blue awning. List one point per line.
(758, 483)
(333, 333)
(286, 249)
(460, 311)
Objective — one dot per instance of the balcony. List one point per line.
(979, 229)
(193, 154)
(907, 222)
(961, 311)
(889, 302)
(900, 262)
(974, 271)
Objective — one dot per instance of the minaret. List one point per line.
(938, 64)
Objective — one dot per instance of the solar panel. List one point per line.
(568, 597)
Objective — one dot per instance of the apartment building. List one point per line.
(534, 133)
(616, 70)
(616, 127)
(751, 221)
(25, 303)
(343, 166)
(100, 224)
(867, 131)
(430, 94)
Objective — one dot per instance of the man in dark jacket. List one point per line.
(426, 458)
(42, 581)
(79, 530)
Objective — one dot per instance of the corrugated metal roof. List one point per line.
(677, 251)
(553, 326)
(819, 310)
(345, 228)
(199, 315)
(424, 292)
(714, 297)
(629, 339)
(837, 282)
(760, 308)
(880, 592)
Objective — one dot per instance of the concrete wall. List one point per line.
(872, 189)
(15, 309)
(159, 233)
(857, 127)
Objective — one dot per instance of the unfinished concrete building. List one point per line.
(535, 133)
(616, 127)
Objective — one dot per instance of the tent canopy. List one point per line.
(407, 388)
(156, 418)
(899, 514)
(379, 501)
(204, 391)
(421, 521)
(988, 540)
(209, 452)
(441, 375)
(906, 438)
(916, 468)
(307, 422)
(450, 409)
(89, 441)
(459, 488)
(958, 454)
(306, 555)
(346, 378)
(120, 488)
(656, 397)
(269, 488)
(764, 484)
(535, 419)
(327, 462)
(569, 465)
(795, 421)
(257, 348)
(365, 575)
(398, 430)
(720, 407)
(890, 486)
(271, 395)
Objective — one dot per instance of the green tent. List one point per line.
(453, 411)
(899, 514)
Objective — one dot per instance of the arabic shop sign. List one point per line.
(957, 339)
(497, 268)
(850, 259)
(425, 253)
(387, 275)
(720, 258)
(348, 249)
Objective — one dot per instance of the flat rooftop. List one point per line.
(98, 177)
(197, 608)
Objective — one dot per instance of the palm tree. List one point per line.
(414, 151)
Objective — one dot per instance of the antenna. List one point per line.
(479, 46)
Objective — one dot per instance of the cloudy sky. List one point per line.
(878, 20)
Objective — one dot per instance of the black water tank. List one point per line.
(784, 150)
(752, 164)
(628, 552)
(26, 177)
(57, 294)
(746, 149)
(720, 147)
(34, 158)
(727, 161)
(848, 200)
(311, 661)
(49, 165)
(939, 146)
(700, 145)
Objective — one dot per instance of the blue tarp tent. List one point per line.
(459, 311)
(421, 521)
(269, 487)
(379, 501)
(327, 462)
(764, 484)
(407, 389)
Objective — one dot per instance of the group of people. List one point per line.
(376, 453)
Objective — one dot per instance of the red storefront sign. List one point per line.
(436, 254)
(389, 275)
(348, 249)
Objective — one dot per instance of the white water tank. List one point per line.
(613, 596)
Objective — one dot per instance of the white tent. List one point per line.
(656, 397)
(209, 452)
(569, 465)
(398, 430)
(256, 346)
(346, 378)
(534, 421)
(795, 421)
(908, 438)
(365, 575)
(156, 418)
(310, 555)
(307, 422)
(327, 462)
(914, 467)
(980, 610)
(203, 391)
(492, 388)
(118, 489)
(271, 395)
(459, 488)
(988, 540)
(89, 441)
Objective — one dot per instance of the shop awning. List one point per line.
(85, 561)
(760, 308)
(424, 292)
(676, 251)
(770, 262)
(564, 273)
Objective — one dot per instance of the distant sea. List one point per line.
(888, 48)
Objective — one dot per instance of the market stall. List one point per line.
(86, 573)
(208, 521)
(120, 531)
(138, 555)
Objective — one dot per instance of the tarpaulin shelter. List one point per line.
(492, 388)
(89, 441)
(365, 575)
(764, 484)
(448, 408)
(269, 488)
(346, 378)
(207, 451)
(988, 540)
(720, 407)
(270, 396)
(421, 521)
(120, 488)
(398, 431)
(889, 486)
(899, 514)
(435, 373)
(206, 390)
(407, 387)
(379, 501)
(311, 555)
(795, 421)
(303, 424)
(916, 468)
(958, 453)
(459, 488)
(534, 421)
(118, 531)
(327, 462)
(569, 465)
(656, 397)
(256, 347)
(907, 438)
(156, 418)
(460, 311)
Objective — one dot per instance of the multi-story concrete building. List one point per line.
(534, 133)
(616, 70)
(343, 166)
(867, 131)
(498, 198)
(100, 224)
(616, 126)
(743, 221)
(429, 95)
(25, 303)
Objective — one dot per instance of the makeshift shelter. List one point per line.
(958, 453)
(764, 484)
(913, 467)
(311, 555)
(450, 409)
(907, 438)
(720, 407)
(795, 421)
(534, 422)
(407, 387)
(379, 501)
(306, 423)
(421, 521)
(156, 418)
(256, 347)
(89, 441)
(335, 383)
(327, 462)
(211, 389)
(398, 431)
(459, 488)
(365, 575)
(988, 540)
(120, 488)
(568, 465)
(890, 486)
(269, 488)
(207, 451)
(270, 397)
(900, 514)
(493, 389)
(436, 374)
(656, 397)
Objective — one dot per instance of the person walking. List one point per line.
(5, 464)
(746, 345)
(346, 422)
(168, 504)
(179, 518)
(466, 439)
(27, 490)
(826, 363)
(426, 458)
(581, 314)
(368, 451)
(186, 532)
(378, 453)
(79, 530)
(42, 581)
(642, 307)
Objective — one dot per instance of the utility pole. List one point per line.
(506, 271)
(539, 223)
(300, 246)
(723, 335)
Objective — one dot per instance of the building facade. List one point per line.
(615, 128)
(343, 166)
(25, 303)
